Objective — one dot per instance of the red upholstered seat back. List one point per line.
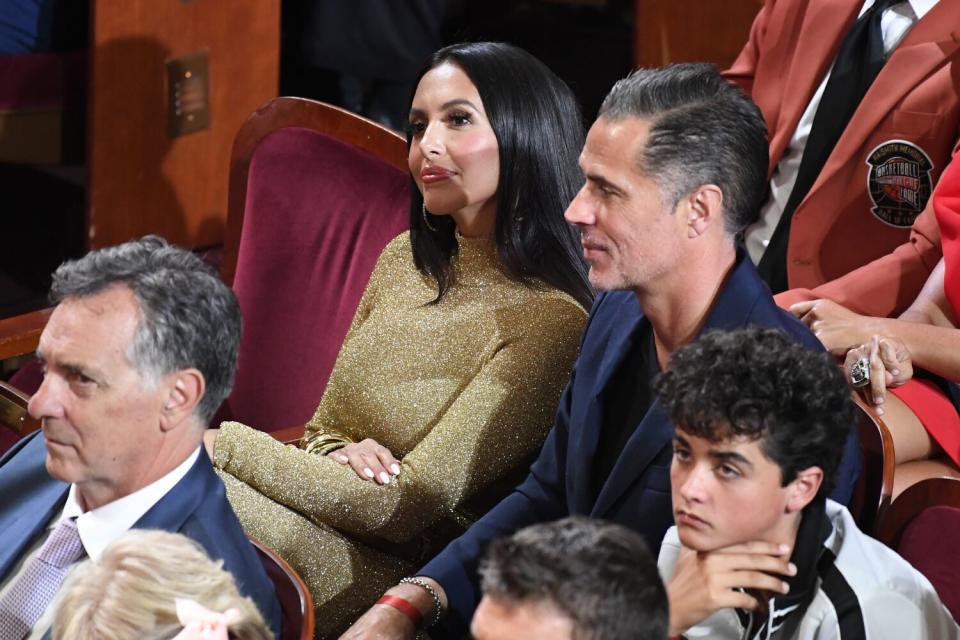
(318, 213)
(929, 543)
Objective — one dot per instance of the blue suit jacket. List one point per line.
(197, 507)
(637, 492)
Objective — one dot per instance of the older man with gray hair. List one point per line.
(138, 354)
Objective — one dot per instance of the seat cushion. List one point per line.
(929, 543)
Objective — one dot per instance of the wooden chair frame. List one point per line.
(13, 410)
(306, 598)
(879, 462)
(19, 335)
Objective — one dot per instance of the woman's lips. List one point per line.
(432, 175)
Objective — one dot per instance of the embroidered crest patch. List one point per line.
(899, 181)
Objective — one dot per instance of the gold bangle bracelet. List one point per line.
(323, 442)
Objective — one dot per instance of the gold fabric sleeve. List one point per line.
(498, 420)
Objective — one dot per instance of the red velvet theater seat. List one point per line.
(923, 526)
(316, 194)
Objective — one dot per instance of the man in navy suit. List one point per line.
(137, 356)
(675, 170)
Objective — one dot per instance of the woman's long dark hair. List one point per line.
(539, 131)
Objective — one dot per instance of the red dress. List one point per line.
(925, 397)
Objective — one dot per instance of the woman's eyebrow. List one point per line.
(459, 101)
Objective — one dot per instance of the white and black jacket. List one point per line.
(848, 587)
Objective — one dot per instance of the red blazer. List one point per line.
(870, 204)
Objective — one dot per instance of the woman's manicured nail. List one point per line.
(395, 468)
(368, 472)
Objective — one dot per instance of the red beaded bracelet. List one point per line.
(403, 607)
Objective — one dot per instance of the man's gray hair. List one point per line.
(598, 574)
(703, 130)
(188, 317)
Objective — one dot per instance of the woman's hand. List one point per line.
(369, 459)
(889, 363)
(838, 328)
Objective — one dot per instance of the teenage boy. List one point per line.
(758, 551)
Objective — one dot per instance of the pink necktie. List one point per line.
(28, 597)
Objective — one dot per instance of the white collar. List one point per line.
(101, 526)
(919, 7)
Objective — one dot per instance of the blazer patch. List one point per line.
(898, 181)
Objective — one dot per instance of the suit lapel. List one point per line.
(654, 431)
(825, 23)
(587, 440)
(731, 309)
(31, 499)
(927, 46)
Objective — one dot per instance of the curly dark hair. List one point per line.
(759, 384)
(599, 574)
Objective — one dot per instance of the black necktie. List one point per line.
(857, 64)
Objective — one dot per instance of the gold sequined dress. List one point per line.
(462, 392)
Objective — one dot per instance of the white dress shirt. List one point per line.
(895, 22)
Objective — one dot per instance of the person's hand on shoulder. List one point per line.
(705, 582)
(369, 459)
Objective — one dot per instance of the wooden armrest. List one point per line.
(289, 435)
(19, 335)
(13, 410)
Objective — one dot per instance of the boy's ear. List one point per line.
(804, 488)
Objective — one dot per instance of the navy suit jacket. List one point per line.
(637, 491)
(197, 507)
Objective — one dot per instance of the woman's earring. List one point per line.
(426, 220)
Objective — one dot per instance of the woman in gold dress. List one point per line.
(448, 379)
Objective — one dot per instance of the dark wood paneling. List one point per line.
(141, 180)
(691, 31)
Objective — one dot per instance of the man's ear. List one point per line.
(185, 388)
(704, 209)
(804, 488)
